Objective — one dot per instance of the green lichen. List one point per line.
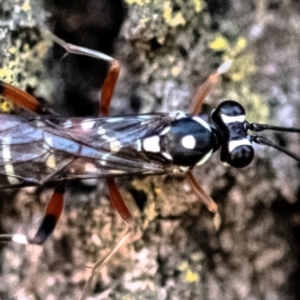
(164, 12)
(239, 74)
(138, 2)
(189, 275)
(172, 18)
(198, 5)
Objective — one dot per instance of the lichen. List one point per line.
(189, 275)
(239, 74)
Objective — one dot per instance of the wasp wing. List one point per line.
(37, 150)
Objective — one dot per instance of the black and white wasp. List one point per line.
(38, 150)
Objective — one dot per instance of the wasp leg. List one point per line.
(111, 77)
(51, 217)
(117, 201)
(104, 261)
(108, 87)
(119, 204)
(203, 197)
(207, 87)
(21, 98)
(195, 109)
(55, 204)
(48, 223)
(104, 104)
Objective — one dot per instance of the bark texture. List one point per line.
(166, 48)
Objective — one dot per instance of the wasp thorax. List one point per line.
(188, 141)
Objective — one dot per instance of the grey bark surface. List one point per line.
(167, 49)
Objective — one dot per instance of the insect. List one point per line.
(46, 148)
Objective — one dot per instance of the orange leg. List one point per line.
(56, 202)
(195, 109)
(21, 98)
(104, 104)
(203, 197)
(50, 219)
(52, 214)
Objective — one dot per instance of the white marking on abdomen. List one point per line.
(9, 168)
(151, 144)
(50, 161)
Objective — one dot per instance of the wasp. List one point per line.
(45, 148)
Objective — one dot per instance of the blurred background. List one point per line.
(166, 49)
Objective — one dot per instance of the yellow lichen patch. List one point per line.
(8, 73)
(241, 44)
(188, 274)
(243, 62)
(191, 276)
(240, 73)
(138, 2)
(255, 104)
(128, 297)
(175, 71)
(219, 44)
(12, 50)
(150, 211)
(171, 18)
(26, 6)
(5, 105)
(230, 50)
(243, 66)
(3, 72)
(198, 5)
(183, 266)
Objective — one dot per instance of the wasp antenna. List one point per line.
(224, 66)
(264, 141)
(261, 127)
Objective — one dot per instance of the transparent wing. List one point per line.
(49, 149)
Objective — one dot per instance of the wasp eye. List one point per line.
(241, 156)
